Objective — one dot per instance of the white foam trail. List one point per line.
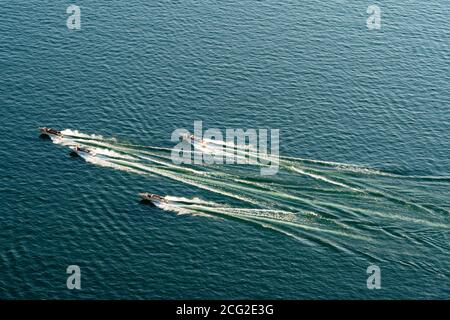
(311, 228)
(137, 153)
(96, 151)
(445, 178)
(331, 163)
(191, 210)
(110, 153)
(193, 200)
(337, 165)
(174, 208)
(172, 165)
(76, 133)
(203, 149)
(322, 178)
(406, 219)
(267, 213)
(241, 155)
(270, 192)
(216, 151)
(105, 163)
(242, 148)
(230, 144)
(363, 170)
(187, 181)
(131, 146)
(272, 227)
(63, 141)
(181, 210)
(256, 184)
(250, 213)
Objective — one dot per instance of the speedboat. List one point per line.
(153, 198)
(79, 151)
(50, 132)
(191, 138)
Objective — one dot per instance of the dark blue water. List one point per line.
(137, 70)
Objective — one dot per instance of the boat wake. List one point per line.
(313, 201)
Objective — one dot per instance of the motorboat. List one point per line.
(50, 132)
(80, 151)
(153, 198)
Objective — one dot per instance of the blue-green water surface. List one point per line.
(364, 119)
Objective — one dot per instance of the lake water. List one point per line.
(364, 177)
